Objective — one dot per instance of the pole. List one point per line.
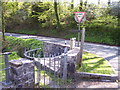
(65, 64)
(7, 82)
(79, 35)
(82, 44)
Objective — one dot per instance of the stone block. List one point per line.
(22, 71)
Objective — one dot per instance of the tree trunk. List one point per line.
(3, 24)
(98, 2)
(108, 2)
(81, 4)
(72, 4)
(85, 3)
(56, 14)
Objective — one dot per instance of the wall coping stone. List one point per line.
(55, 43)
(20, 62)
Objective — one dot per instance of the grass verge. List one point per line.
(94, 64)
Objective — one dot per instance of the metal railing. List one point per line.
(30, 54)
(53, 66)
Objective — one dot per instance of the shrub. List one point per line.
(18, 45)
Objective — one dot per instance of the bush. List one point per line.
(18, 45)
(103, 30)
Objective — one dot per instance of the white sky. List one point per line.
(75, 1)
(89, 1)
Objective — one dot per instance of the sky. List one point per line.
(75, 1)
(89, 1)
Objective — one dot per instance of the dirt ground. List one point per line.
(92, 84)
(88, 83)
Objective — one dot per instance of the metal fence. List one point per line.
(50, 69)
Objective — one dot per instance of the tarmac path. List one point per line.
(110, 53)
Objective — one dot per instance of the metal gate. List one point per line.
(50, 69)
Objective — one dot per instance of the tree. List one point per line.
(98, 2)
(56, 14)
(109, 2)
(8, 10)
(115, 9)
(72, 4)
(0, 17)
(3, 20)
(81, 5)
(85, 3)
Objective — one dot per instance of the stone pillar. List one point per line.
(71, 69)
(22, 73)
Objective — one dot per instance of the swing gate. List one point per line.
(50, 68)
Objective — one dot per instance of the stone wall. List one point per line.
(53, 48)
(22, 73)
(72, 55)
(22, 70)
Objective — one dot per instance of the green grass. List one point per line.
(23, 31)
(99, 36)
(94, 64)
(42, 73)
(18, 45)
(50, 76)
(14, 43)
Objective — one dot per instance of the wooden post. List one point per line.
(81, 47)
